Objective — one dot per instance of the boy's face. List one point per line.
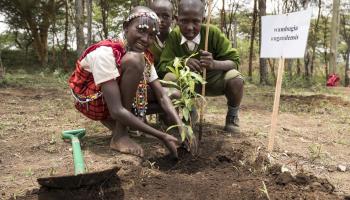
(189, 22)
(140, 38)
(165, 15)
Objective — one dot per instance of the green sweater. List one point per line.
(156, 50)
(220, 47)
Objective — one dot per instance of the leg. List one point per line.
(234, 91)
(234, 94)
(132, 67)
(128, 84)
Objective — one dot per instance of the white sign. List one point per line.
(285, 35)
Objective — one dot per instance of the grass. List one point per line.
(265, 191)
(37, 80)
(343, 142)
(315, 151)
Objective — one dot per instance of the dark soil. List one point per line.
(227, 166)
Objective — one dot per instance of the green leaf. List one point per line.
(177, 62)
(170, 83)
(198, 77)
(190, 132)
(171, 127)
(185, 113)
(183, 135)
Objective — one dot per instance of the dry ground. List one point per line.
(313, 138)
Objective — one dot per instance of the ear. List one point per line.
(125, 26)
(175, 18)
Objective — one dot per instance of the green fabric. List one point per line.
(216, 81)
(156, 51)
(218, 45)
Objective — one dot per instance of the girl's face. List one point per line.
(140, 35)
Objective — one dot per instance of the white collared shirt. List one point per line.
(191, 44)
(101, 63)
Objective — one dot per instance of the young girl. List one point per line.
(112, 83)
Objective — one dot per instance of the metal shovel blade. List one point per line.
(77, 181)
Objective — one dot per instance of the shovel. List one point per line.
(80, 177)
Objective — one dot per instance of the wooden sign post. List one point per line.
(276, 103)
(283, 36)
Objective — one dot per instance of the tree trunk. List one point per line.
(262, 61)
(347, 68)
(223, 17)
(334, 37)
(306, 65)
(89, 20)
(298, 67)
(65, 46)
(235, 34)
(325, 46)
(314, 38)
(252, 38)
(272, 68)
(289, 67)
(2, 68)
(104, 12)
(79, 26)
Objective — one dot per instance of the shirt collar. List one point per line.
(160, 43)
(196, 40)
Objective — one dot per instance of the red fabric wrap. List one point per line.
(82, 82)
(333, 80)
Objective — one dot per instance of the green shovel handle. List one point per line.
(78, 159)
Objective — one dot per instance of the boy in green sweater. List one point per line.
(164, 11)
(220, 61)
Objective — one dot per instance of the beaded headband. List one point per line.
(144, 20)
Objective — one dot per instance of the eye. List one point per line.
(165, 17)
(142, 30)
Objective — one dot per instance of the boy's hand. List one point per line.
(194, 65)
(206, 60)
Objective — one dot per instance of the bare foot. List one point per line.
(124, 144)
(171, 143)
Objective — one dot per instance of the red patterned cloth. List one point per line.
(89, 99)
(88, 95)
(333, 80)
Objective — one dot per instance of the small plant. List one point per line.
(265, 191)
(314, 151)
(185, 81)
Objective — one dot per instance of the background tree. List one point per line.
(35, 16)
(334, 37)
(89, 21)
(252, 38)
(345, 32)
(79, 26)
(262, 61)
(104, 4)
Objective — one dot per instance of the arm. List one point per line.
(207, 61)
(220, 55)
(166, 103)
